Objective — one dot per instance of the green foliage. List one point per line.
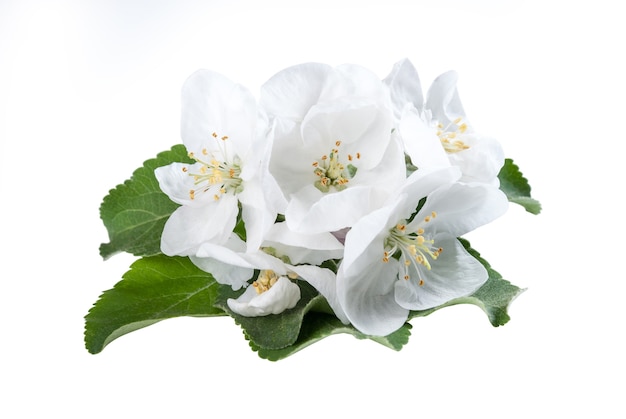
(154, 289)
(318, 325)
(276, 337)
(135, 212)
(516, 187)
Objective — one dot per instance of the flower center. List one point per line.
(332, 172)
(411, 248)
(216, 175)
(449, 135)
(266, 279)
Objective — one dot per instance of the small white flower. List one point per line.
(284, 252)
(220, 129)
(269, 294)
(440, 124)
(397, 260)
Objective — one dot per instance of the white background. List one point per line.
(91, 89)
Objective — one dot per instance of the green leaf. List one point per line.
(274, 331)
(276, 337)
(516, 187)
(135, 212)
(154, 289)
(494, 297)
(317, 326)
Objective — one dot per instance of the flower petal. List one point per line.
(421, 141)
(283, 295)
(189, 227)
(277, 94)
(212, 103)
(367, 298)
(454, 274)
(443, 98)
(303, 248)
(461, 208)
(404, 87)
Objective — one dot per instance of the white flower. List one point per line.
(220, 130)
(332, 156)
(269, 294)
(440, 123)
(285, 253)
(397, 260)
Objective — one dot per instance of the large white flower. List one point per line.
(332, 155)
(438, 128)
(397, 260)
(220, 129)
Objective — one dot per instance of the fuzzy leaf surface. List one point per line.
(154, 289)
(135, 211)
(516, 187)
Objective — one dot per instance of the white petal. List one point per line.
(481, 162)
(404, 87)
(462, 208)
(355, 81)
(365, 240)
(176, 184)
(256, 213)
(303, 248)
(361, 125)
(224, 273)
(443, 98)
(278, 96)
(454, 274)
(283, 295)
(189, 227)
(368, 301)
(311, 211)
(421, 141)
(212, 103)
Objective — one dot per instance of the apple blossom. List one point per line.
(333, 156)
(221, 130)
(397, 259)
(438, 124)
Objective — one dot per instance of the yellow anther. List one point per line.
(216, 197)
(315, 164)
(420, 231)
(456, 121)
(401, 227)
(462, 128)
(406, 277)
(224, 138)
(427, 218)
(204, 151)
(420, 240)
(337, 143)
(433, 214)
(407, 262)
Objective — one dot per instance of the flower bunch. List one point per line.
(334, 203)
